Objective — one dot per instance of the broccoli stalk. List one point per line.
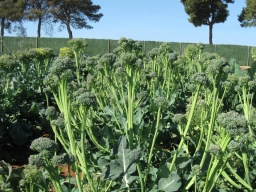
(215, 71)
(160, 103)
(77, 46)
(199, 80)
(46, 149)
(245, 85)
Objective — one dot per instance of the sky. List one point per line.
(156, 20)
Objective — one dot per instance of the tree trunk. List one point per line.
(69, 31)
(39, 27)
(210, 33)
(2, 27)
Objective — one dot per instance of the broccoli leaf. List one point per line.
(124, 165)
(172, 183)
(2, 129)
(18, 135)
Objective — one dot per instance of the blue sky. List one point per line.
(158, 20)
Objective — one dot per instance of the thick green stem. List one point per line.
(142, 184)
(84, 161)
(191, 113)
(66, 110)
(226, 176)
(246, 167)
(239, 179)
(152, 145)
(77, 67)
(211, 124)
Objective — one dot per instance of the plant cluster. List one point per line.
(130, 121)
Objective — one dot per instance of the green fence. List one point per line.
(102, 46)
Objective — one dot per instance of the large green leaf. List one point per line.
(18, 134)
(124, 164)
(138, 116)
(2, 129)
(172, 183)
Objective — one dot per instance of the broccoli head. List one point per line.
(232, 120)
(44, 144)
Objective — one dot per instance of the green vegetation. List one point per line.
(11, 12)
(101, 46)
(128, 121)
(247, 17)
(207, 13)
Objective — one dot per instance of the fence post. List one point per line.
(36, 42)
(108, 46)
(181, 48)
(145, 47)
(215, 48)
(1, 44)
(248, 56)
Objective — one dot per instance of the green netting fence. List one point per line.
(102, 46)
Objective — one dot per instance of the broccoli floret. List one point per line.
(247, 138)
(234, 123)
(232, 120)
(200, 46)
(191, 87)
(190, 51)
(120, 71)
(51, 113)
(36, 160)
(58, 160)
(107, 60)
(238, 88)
(128, 46)
(243, 80)
(172, 56)
(142, 94)
(153, 53)
(234, 146)
(79, 92)
(44, 143)
(215, 150)
(77, 45)
(179, 119)
(200, 78)
(196, 170)
(161, 102)
(61, 64)
(164, 49)
(218, 66)
(87, 99)
(91, 62)
(31, 175)
(252, 84)
(128, 59)
(60, 122)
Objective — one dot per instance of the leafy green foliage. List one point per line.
(125, 163)
(247, 16)
(172, 183)
(78, 14)
(126, 121)
(210, 12)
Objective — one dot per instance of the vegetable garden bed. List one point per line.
(126, 121)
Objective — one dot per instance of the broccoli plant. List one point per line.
(47, 159)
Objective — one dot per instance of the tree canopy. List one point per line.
(207, 12)
(74, 13)
(247, 18)
(37, 10)
(11, 11)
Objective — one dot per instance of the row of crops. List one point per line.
(126, 121)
